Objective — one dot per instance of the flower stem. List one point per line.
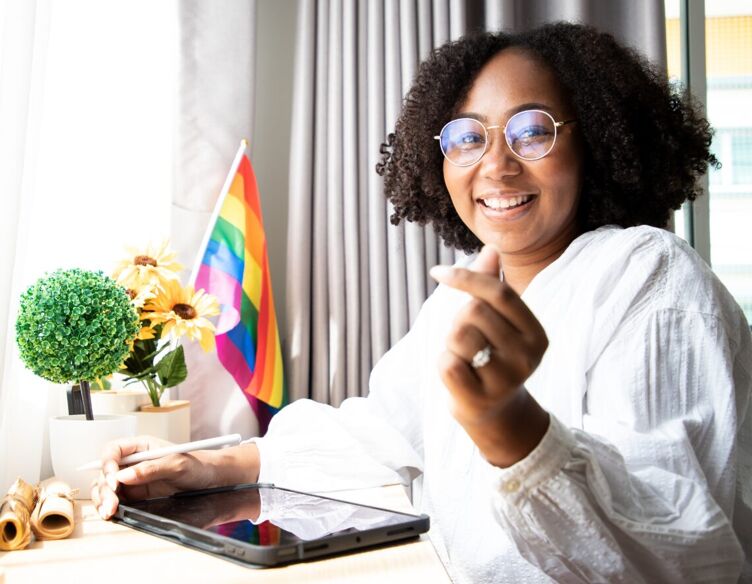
(155, 390)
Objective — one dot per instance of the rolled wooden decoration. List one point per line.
(15, 513)
(53, 516)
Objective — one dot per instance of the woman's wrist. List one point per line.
(234, 465)
(514, 432)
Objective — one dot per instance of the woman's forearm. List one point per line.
(235, 465)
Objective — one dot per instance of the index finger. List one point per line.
(115, 451)
(495, 292)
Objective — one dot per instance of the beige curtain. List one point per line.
(214, 111)
(214, 108)
(641, 24)
(355, 283)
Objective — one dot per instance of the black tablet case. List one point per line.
(252, 555)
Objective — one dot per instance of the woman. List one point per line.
(572, 402)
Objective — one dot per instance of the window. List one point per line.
(725, 45)
(741, 156)
(104, 172)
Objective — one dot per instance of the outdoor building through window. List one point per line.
(728, 67)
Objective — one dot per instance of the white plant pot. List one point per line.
(74, 441)
(171, 421)
(118, 401)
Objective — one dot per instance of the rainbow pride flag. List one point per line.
(235, 268)
(265, 533)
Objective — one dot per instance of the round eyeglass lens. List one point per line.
(463, 141)
(531, 134)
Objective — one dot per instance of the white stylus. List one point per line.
(228, 440)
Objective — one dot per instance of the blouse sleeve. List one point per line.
(367, 441)
(646, 492)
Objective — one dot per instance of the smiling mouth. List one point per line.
(502, 204)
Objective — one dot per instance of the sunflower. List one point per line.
(148, 268)
(145, 333)
(139, 297)
(181, 311)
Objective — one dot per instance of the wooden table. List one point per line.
(103, 552)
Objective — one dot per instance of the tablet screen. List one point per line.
(269, 516)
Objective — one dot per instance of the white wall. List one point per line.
(275, 48)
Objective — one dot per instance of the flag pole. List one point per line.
(217, 208)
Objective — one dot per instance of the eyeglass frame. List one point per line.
(557, 125)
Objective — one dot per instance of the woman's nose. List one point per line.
(499, 161)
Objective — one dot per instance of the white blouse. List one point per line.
(645, 472)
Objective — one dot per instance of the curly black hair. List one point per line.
(645, 144)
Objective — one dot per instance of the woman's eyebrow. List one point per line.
(527, 106)
(509, 113)
(473, 115)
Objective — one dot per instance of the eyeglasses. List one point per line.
(530, 134)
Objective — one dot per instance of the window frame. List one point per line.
(694, 78)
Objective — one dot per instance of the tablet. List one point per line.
(263, 525)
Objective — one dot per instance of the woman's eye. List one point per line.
(469, 140)
(532, 134)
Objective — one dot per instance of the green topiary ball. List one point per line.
(75, 325)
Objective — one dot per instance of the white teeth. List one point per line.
(506, 203)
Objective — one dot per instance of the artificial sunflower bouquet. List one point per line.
(167, 312)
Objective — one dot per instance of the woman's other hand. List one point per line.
(490, 401)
